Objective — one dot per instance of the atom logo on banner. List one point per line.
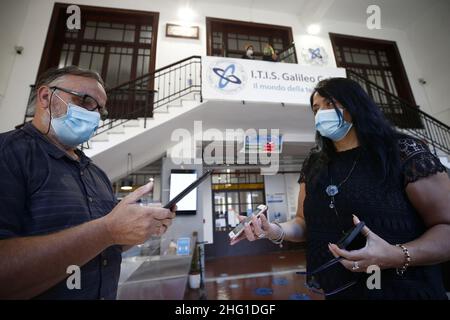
(224, 79)
(227, 77)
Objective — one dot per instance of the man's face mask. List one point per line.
(76, 126)
(332, 125)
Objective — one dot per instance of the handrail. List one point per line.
(157, 70)
(396, 97)
(292, 52)
(407, 117)
(138, 98)
(406, 103)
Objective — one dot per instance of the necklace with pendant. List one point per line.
(332, 189)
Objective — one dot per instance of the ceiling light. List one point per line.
(126, 185)
(186, 14)
(313, 29)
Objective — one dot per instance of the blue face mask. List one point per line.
(330, 125)
(76, 126)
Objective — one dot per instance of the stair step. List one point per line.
(131, 123)
(188, 102)
(175, 106)
(116, 131)
(197, 97)
(102, 137)
(162, 109)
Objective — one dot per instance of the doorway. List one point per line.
(237, 192)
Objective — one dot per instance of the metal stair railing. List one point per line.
(288, 55)
(138, 98)
(406, 117)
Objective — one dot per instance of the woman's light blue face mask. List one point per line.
(76, 126)
(332, 125)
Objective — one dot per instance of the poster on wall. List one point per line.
(277, 207)
(183, 246)
(261, 81)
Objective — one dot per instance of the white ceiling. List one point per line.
(396, 14)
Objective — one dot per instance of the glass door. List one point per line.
(235, 193)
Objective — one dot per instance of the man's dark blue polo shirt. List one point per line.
(44, 191)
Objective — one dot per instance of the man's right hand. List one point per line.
(130, 223)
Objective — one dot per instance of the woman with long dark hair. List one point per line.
(363, 170)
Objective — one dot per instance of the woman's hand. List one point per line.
(260, 228)
(376, 252)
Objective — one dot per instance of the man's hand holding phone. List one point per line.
(129, 223)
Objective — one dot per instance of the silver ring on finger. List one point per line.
(261, 235)
(355, 265)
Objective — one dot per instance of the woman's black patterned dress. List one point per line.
(385, 210)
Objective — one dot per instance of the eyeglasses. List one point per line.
(351, 240)
(313, 285)
(87, 101)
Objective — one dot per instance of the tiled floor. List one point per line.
(271, 276)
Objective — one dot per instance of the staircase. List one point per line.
(139, 98)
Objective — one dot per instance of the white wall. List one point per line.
(276, 198)
(400, 37)
(24, 69)
(430, 43)
(285, 185)
(35, 25)
(292, 190)
(12, 16)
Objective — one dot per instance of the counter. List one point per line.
(160, 277)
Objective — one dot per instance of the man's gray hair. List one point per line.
(51, 77)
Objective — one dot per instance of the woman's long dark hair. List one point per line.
(374, 132)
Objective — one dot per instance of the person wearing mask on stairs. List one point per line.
(269, 53)
(249, 52)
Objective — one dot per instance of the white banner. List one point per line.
(261, 81)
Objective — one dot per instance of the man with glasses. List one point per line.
(57, 208)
